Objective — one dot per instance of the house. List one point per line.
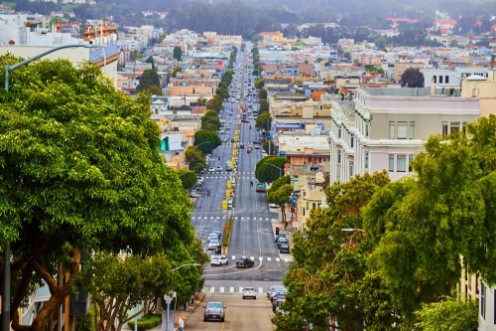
(383, 129)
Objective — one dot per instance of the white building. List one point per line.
(383, 129)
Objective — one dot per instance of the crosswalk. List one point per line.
(231, 289)
(236, 218)
(262, 258)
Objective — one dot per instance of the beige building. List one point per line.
(482, 88)
(311, 196)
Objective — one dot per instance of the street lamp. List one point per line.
(167, 322)
(6, 250)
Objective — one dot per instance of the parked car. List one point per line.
(214, 310)
(282, 240)
(219, 260)
(284, 248)
(279, 235)
(249, 292)
(261, 187)
(216, 231)
(211, 169)
(213, 244)
(219, 168)
(244, 262)
(213, 236)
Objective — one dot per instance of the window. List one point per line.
(352, 140)
(392, 129)
(411, 130)
(339, 132)
(445, 129)
(339, 156)
(446, 79)
(402, 129)
(367, 160)
(367, 130)
(352, 168)
(454, 127)
(440, 79)
(434, 79)
(391, 162)
(401, 163)
(410, 160)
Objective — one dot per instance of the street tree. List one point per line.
(328, 279)
(81, 169)
(280, 194)
(207, 141)
(412, 77)
(269, 147)
(195, 158)
(262, 94)
(441, 215)
(118, 283)
(215, 103)
(188, 178)
(270, 168)
(450, 314)
(259, 83)
(148, 79)
(177, 53)
(210, 121)
(263, 121)
(263, 107)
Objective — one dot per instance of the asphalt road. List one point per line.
(252, 233)
(247, 314)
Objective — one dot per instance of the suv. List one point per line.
(249, 292)
(244, 262)
(214, 310)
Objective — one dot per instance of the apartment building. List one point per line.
(384, 129)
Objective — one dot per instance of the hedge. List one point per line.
(145, 322)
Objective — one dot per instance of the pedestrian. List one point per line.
(180, 323)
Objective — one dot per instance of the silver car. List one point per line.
(214, 310)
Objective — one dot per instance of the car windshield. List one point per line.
(215, 305)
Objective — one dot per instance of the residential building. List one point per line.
(310, 195)
(484, 89)
(383, 129)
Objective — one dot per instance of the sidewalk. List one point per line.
(185, 313)
(276, 223)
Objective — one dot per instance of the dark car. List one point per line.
(284, 248)
(214, 310)
(244, 262)
(281, 240)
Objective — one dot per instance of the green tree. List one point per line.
(280, 194)
(195, 158)
(264, 106)
(328, 278)
(81, 169)
(448, 315)
(412, 77)
(270, 168)
(215, 103)
(150, 60)
(175, 71)
(441, 215)
(207, 141)
(125, 281)
(177, 53)
(259, 83)
(148, 78)
(262, 94)
(263, 121)
(188, 178)
(269, 147)
(222, 92)
(210, 121)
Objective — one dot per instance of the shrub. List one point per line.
(145, 322)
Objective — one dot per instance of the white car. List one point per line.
(219, 260)
(211, 169)
(249, 292)
(219, 168)
(213, 244)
